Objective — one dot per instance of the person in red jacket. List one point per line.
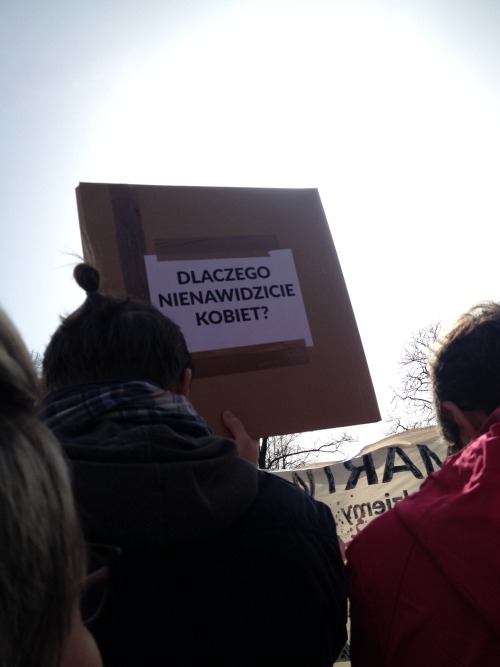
(423, 578)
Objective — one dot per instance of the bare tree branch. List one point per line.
(412, 400)
(284, 451)
(37, 358)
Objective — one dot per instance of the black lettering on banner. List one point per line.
(427, 454)
(360, 511)
(378, 506)
(367, 467)
(330, 478)
(408, 465)
(309, 487)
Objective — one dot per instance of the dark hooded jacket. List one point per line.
(221, 564)
(424, 578)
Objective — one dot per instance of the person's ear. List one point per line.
(184, 383)
(467, 421)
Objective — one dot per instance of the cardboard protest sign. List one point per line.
(252, 277)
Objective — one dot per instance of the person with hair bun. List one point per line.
(215, 553)
(42, 551)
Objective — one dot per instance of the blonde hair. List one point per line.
(42, 553)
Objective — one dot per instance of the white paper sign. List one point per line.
(231, 302)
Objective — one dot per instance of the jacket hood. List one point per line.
(455, 517)
(144, 483)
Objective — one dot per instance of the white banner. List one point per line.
(359, 489)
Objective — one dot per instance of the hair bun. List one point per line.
(87, 277)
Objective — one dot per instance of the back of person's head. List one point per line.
(465, 367)
(42, 555)
(114, 339)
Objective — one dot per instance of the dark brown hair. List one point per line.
(465, 367)
(113, 338)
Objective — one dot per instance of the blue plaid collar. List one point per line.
(133, 402)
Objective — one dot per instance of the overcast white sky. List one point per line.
(390, 109)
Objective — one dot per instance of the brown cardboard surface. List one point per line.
(276, 387)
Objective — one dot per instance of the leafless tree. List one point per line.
(37, 358)
(285, 451)
(412, 400)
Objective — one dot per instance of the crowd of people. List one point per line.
(134, 536)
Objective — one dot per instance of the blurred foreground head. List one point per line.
(114, 339)
(465, 369)
(42, 553)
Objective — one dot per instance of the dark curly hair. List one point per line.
(465, 367)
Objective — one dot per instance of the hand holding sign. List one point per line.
(248, 447)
